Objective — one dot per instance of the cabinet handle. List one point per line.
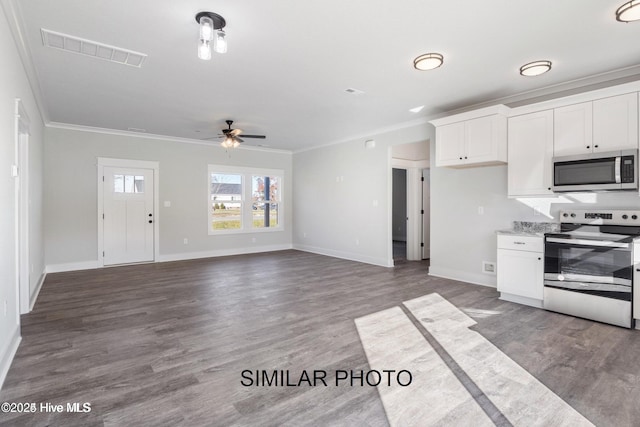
(588, 146)
(460, 158)
(595, 146)
(539, 259)
(465, 157)
(519, 243)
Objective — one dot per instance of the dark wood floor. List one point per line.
(165, 344)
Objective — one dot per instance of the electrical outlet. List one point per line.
(5, 308)
(480, 210)
(304, 235)
(357, 242)
(488, 267)
(253, 240)
(186, 241)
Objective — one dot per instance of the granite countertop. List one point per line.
(535, 229)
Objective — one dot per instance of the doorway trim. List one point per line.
(21, 173)
(128, 163)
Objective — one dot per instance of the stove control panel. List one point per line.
(601, 217)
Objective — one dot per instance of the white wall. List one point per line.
(461, 238)
(335, 190)
(70, 201)
(14, 84)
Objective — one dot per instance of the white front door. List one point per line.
(128, 215)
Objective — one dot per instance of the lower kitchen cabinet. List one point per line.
(520, 269)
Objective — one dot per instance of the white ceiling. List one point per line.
(289, 62)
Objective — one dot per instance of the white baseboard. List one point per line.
(88, 265)
(8, 353)
(36, 291)
(537, 303)
(222, 252)
(72, 266)
(345, 255)
(463, 276)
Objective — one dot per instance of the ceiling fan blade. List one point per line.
(254, 136)
(238, 139)
(235, 132)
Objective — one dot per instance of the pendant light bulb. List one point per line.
(220, 42)
(204, 50)
(206, 28)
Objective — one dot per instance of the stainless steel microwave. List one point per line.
(609, 171)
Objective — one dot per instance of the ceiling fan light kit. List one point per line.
(211, 29)
(630, 11)
(231, 138)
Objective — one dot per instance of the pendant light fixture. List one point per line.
(630, 11)
(211, 30)
(535, 68)
(428, 61)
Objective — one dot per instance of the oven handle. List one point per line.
(601, 243)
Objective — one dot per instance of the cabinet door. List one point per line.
(450, 144)
(530, 154)
(520, 273)
(615, 123)
(480, 140)
(573, 129)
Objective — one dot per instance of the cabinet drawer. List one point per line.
(521, 243)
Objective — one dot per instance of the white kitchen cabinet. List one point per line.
(607, 124)
(615, 123)
(573, 129)
(530, 154)
(520, 269)
(477, 141)
(450, 144)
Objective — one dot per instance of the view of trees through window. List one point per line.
(265, 196)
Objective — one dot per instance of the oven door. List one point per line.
(599, 268)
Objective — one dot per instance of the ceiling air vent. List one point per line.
(91, 48)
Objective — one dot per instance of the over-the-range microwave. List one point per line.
(608, 171)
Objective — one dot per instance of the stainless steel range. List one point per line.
(588, 265)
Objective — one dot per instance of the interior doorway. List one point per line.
(410, 201)
(399, 214)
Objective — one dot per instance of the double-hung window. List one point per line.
(244, 200)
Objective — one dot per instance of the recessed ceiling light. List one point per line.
(629, 11)
(416, 109)
(428, 61)
(535, 68)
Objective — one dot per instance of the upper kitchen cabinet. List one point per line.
(476, 138)
(606, 124)
(530, 154)
(615, 123)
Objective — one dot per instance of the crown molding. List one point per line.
(107, 131)
(371, 134)
(16, 26)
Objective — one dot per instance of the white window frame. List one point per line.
(247, 203)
